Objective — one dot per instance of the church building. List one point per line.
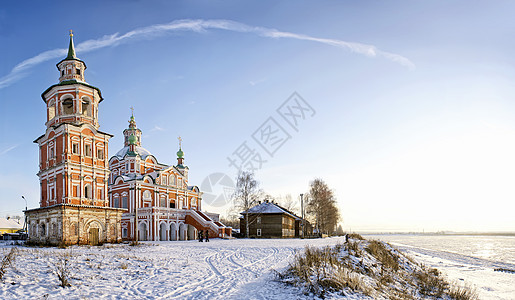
(159, 203)
(73, 165)
(88, 199)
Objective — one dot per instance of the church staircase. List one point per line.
(202, 222)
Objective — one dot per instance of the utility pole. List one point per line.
(302, 212)
(25, 227)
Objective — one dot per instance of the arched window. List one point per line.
(68, 106)
(125, 203)
(51, 110)
(87, 191)
(147, 195)
(116, 201)
(162, 202)
(86, 107)
(164, 181)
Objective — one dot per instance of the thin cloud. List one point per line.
(7, 150)
(156, 128)
(255, 82)
(198, 26)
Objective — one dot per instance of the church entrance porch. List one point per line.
(74, 224)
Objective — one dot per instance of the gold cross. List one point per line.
(132, 111)
(180, 142)
(71, 32)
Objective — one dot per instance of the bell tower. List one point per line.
(73, 160)
(132, 131)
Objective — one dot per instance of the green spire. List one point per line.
(132, 122)
(71, 48)
(180, 154)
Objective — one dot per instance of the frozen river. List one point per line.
(467, 259)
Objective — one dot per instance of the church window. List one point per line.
(86, 107)
(87, 191)
(77, 71)
(172, 180)
(172, 205)
(124, 232)
(43, 229)
(116, 201)
(124, 202)
(162, 202)
(62, 72)
(75, 148)
(100, 153)
(51, 110)
(68, 106)
(164, 180)
(52, 153)
(87, 149)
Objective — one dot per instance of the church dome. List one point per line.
(139, 150)
(180, 153)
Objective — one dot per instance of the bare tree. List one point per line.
(290, 204)
(231, 221)
(322, 206)
(246, 195)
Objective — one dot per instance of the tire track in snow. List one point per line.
(192, 287)
(202, 288)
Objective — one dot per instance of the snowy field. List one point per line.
(470, 259)
(220, 269)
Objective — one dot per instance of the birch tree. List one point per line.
(246, 195)
(322, 206)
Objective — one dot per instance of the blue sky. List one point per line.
(414, 113)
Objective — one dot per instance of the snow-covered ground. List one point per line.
(476, 267)
(220, 269)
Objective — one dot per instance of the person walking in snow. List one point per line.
(207, 236)
(200, 238)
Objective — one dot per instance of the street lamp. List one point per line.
(302, 212)
(25, 224)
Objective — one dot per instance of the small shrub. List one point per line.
(7, 261)
(385, 256)
(63, 269)
(463, 292)
(430, 283)
(356, 236)
(354, 247)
